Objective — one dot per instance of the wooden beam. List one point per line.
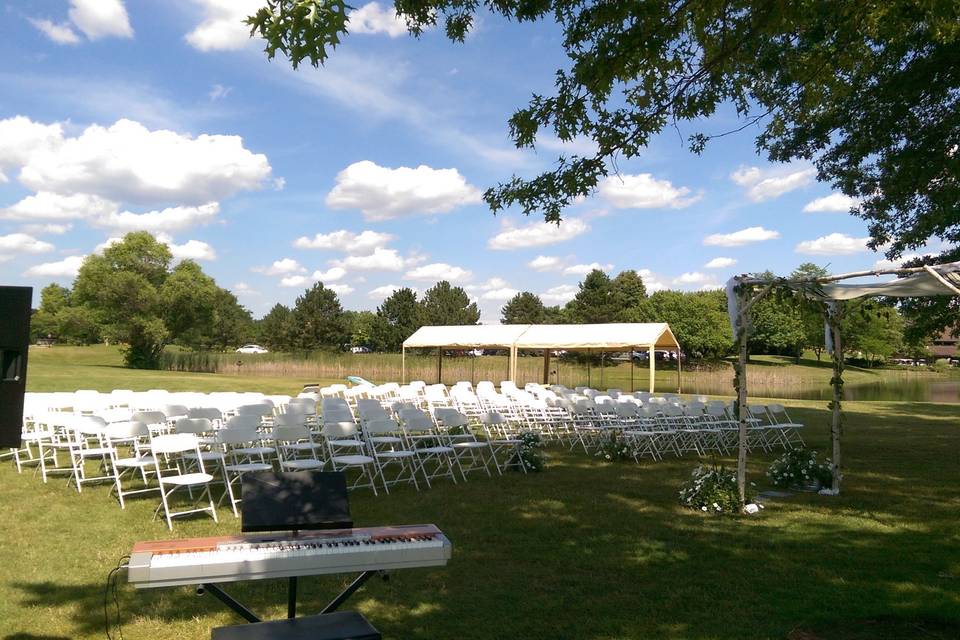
(546, 366)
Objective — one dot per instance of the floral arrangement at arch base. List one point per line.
(712, 489)
(530, 451)
(615, 447)
(800, 469)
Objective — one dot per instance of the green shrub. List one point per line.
(711, 489)
(615, 447)
(530, 451)
(800, 468)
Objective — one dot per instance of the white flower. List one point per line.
(703, 508)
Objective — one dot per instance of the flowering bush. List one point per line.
(712, 489)
(614, 447)
(800, 468)
(530, 451)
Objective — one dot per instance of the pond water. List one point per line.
(906, 389)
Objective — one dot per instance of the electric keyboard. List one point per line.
(166, 563)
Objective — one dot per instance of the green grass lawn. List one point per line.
(582, 550)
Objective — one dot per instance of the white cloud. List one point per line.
(106, 243)
(170, 219)
(45, 205)
(884, 263)
(380, 260)
(294, 281)
(560, 294)
(244, 289)
(740, 238)
(66, 268)
(20, 138)
(362, 243)
(651, 281)
(60, 33)
(584, 269)
(834, 244)
(379, 293)
(643, 191)
(330, 275)
(438, 271)
(192, 250)
(372, 18)
(537, 234)
(281, 267)
(834, 202)
(222, 28)
(340, 289)
(545, 263)
(382, 193)
(720, 263)
(101, 18)
(765, 184)
(501, 294)
(51, 229)
(23, 243)
(128, 162)
(219, 92)
(691, 277)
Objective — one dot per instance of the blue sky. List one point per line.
(365, 174)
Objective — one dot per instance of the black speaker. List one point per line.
(14, 342)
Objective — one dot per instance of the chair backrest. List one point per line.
(174, 410)
(210, 413)
(119, 431)
(375, 427)
(237, 436)
(192, 425)
(492, 417)
(243, 422)
(758, 409)
(338, 430)
(289, 419)
(416, 421)
(451, 417)
(258, 409)
(149, 417)
(89, 425)
(302, 405)
(174, 443)
(291, 434)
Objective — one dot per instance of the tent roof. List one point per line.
(471, 335)
(597, 336)
(546, 336)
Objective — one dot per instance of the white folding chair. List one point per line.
(237, 445)
(348, 451)
(296, 449)
(170, 447)
(385, 443)
(129, 444)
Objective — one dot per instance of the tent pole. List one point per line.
(513, 370)
(679, 371)
(403, 365)
(589, 376)
(546, 366)
(473, 370)
(653, 367)
(440, 365)
(601, 367)
(631, 368)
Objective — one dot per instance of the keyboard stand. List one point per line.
(245, 613)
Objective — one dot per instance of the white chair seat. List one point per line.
(385, 439)
(98, 451)
(302, 464)
(255, 451)
(346, 443)
(207, 456)
(395, 454)
(187, 479)
(299, 446)
(245, 467)
(134, 463)
(470, 445)
(436, 450)
(353, 459)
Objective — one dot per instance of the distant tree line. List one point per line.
(133, 295)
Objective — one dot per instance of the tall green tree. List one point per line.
(629, 292)
(523, 308)
(811, 312)
(318, 320)
(277, 329)
(188, 298)
(595, 301)
(873, 329)
(360, 327)
(397, 318)
(444, 304)
(698, 320)
(122, 288)
(869, 92)
(232, 323)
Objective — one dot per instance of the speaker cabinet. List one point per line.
(14, 342)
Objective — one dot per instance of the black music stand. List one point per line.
(291, 502)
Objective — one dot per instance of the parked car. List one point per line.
(359, 349)
(252, 348)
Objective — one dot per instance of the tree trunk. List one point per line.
(741, 377)
(836, 426)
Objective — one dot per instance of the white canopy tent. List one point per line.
(548, 337)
